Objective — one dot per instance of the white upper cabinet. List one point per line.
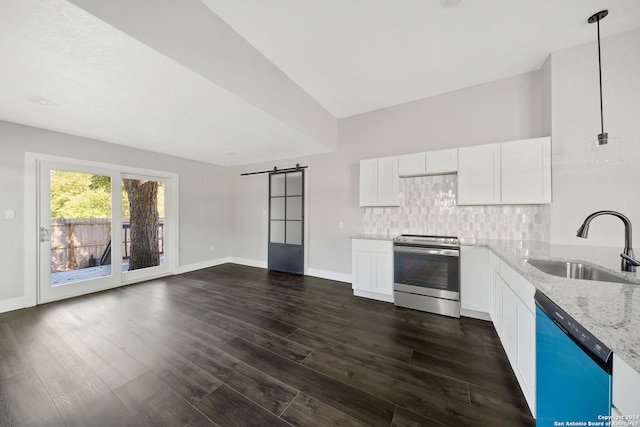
(369, 182)
(388, 185)
(515, 172)
(412, 164)
(442, 161)
(526, 171)
(479, 175)
(379, 182)
(429, 163)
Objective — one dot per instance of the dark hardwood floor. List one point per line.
(241, 346)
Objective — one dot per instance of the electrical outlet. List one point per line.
(9, 214)
(341, 224)
(213, 248)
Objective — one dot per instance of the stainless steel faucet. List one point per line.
(629, 263)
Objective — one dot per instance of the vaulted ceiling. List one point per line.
(240, 81)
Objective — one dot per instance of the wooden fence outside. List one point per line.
(75, 241)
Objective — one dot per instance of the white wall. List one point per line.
(203, 199)
(499, 111)
(581, 187)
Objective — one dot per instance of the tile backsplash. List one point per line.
(428, 206)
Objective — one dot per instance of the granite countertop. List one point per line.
(610, 311)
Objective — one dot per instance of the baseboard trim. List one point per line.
(373, 295)
(315, 272)
(249, 262)
(330, 275)
(16, 304)
(475, 314)
(200, 265)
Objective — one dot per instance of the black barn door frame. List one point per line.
(286, 220)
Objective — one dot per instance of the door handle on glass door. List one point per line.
(45, 235)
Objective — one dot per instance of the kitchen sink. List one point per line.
(575, 270)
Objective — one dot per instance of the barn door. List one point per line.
(286, 221)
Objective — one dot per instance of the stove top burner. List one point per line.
(422, 240)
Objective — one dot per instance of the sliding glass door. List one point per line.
(100, 227)
(77, 211)
(143, 226)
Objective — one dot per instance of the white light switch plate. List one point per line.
(9, 214)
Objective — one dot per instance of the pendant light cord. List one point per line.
(603, 137)
(600, 75)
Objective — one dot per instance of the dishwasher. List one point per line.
(573, 370)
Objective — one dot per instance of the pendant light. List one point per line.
(603, 137)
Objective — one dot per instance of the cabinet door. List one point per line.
(382, 273)
(510, 323)
(442, 161)
(412, 164)
(479, 175)
(526, 171)
(388, 181)
(626, 383)
(475, 279)
(527, 350)
(494, 270)
(372, 268)
(362, 266)
(497, 317)
(369, 182)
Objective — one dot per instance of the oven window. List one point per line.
(429, 271)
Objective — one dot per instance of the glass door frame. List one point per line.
(47, 292)
(167, 267)
(32, 273)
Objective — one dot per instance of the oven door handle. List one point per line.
(426, 251)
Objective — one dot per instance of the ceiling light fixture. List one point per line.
(41, 100)
(449, 3)
(603, 137)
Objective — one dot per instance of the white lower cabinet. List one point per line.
(509, 322)
(526, 351)
(513, 314)
(491, 286)
(475, 282)
(372, 269)
(626, 387)
(495, 310)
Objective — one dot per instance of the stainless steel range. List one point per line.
(427, 273)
